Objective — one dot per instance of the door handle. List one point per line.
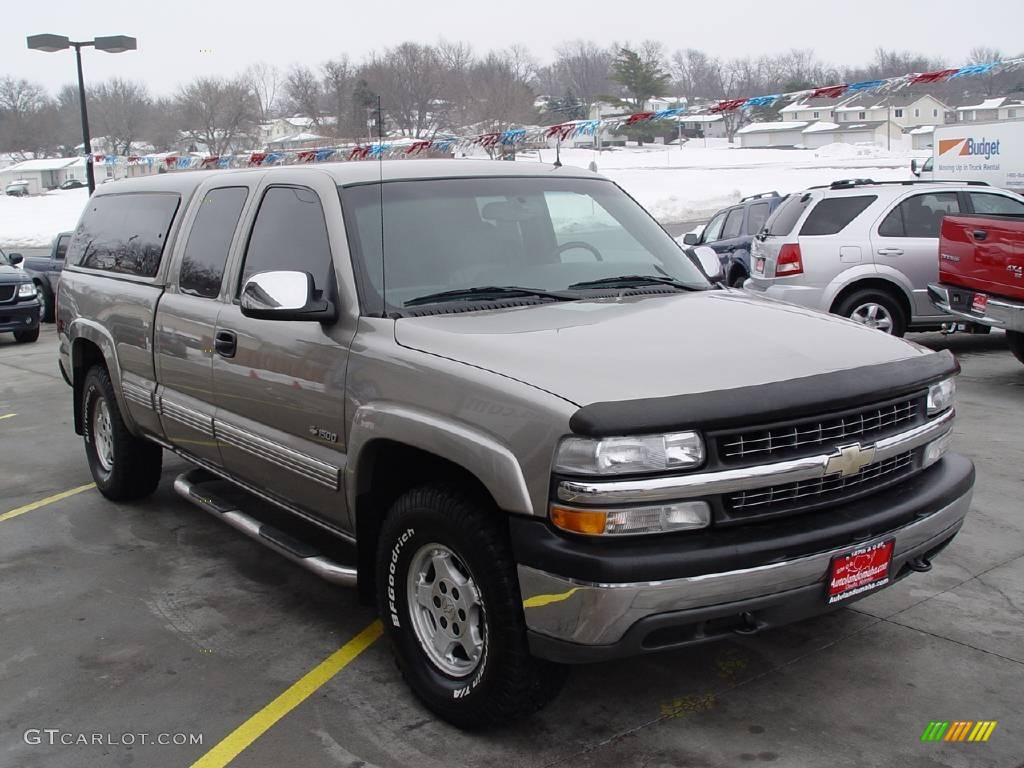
(979, 234)
(890, 251)
(225, 342)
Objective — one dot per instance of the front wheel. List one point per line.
(1016, 341)
(449, 598)
(124, 467)
(874, 309)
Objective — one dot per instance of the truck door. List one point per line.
(186, 318)
(280, 384)
(906, 239)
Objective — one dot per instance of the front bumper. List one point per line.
(741, 580)
(19, 316)
(999, 312)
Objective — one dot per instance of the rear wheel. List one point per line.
(26, 337)
(737, 279)
(46, 301)
(124, 467)
(1016, 341)
(875, 309)
(449, 598)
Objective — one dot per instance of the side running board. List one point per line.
(189, 486)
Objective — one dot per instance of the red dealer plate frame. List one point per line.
(979, 303)
(859, 572)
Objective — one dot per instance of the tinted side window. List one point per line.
(997, 204)
(920, 215)
(785, 217)
(713, 230)
(290, 233)
(732, 224)
(202, 267)
(833, 214)
(124, 233)
(62, 247)
(757, 215)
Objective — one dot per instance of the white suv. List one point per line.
(866, 250)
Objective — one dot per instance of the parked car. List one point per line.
(866, 250)
(45, 273)
(480, 392)
(981, 273)
(17, 189)
(731, 231)
(19, 305)
(72, 184)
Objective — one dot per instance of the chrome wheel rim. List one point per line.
(103, 435)
(873, 316)
(446, 609)
(40, 294)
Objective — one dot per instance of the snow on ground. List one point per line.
(32, 222)
(675, 184)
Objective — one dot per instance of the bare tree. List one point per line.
(27, 118)
(503, 97)
(304, 93)
(584, 68)
(265, 80)
(338, 83)
(218, 113)
(456, 62)
(120, 110)
(407, 79)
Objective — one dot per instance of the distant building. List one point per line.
(281, 131)
(878, 132)
(785, 133)
(702, 126)
(999, 108)
(922, 137)
(905, 110)
(44, 173)
(809, 109)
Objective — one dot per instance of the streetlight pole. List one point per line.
(110, 44)
(90, 175)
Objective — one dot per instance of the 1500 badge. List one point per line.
(323, 434)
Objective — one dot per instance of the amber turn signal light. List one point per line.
(579, 520)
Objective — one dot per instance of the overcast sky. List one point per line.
(174, 35)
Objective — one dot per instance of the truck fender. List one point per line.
(82, 329)
(867, 272)
(492, 463)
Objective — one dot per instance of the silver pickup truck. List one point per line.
(493, 397)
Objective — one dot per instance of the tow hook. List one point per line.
(949, 328)
(919, 564)
(751, 625)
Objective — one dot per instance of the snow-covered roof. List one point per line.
(847, 127)
(783, 125)
(995, 103)
(922, 129)
(699, 118)
(43, 164)
(823, 125)
(303, 136)
(805, 107)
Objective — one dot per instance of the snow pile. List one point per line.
(33, 222)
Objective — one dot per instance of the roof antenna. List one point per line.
(380, 189)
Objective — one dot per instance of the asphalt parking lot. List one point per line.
(156, 618)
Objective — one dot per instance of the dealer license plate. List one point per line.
(863, 570)
(759, 265)
(979, 303)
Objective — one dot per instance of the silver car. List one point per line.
(866, 250)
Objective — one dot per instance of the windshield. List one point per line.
(445, 235)
(4, 261)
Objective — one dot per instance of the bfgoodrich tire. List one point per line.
(875, 309)
(124, 467)
(1016, 341)
(449, 599)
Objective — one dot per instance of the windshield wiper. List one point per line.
(632, 281)
(484, 292)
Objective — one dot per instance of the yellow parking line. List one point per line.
(245, 734)
(7, 416)
(43, 502)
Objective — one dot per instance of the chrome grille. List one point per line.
(787, 496)
(7, 291)
(791, 438)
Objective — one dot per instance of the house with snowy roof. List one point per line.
(809, 109)
(998, 108)
(906, 110)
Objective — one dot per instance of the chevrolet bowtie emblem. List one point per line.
(849, 459)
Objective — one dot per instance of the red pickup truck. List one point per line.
(981, 273)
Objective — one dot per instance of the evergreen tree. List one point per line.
(641, 78)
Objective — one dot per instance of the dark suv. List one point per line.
(731, 231)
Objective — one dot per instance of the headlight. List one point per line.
(661, 518)
(941, 396)
(624, 455)
(25, 290)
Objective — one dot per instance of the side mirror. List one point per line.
(15, 258)
(690, 238)
(284, 295)
(914, 169)
(709, 263)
